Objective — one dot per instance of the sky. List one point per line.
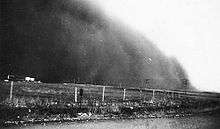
(186, 29)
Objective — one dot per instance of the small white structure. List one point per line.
(29, 79)
(6, 80)
(32, 79)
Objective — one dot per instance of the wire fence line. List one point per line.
(97, 92)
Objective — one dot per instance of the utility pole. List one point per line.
(11, 88)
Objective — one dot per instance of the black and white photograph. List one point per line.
(110, 64)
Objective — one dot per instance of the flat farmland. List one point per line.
(71, 92)
(93, 92)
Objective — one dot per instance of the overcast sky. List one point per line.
(186, 29)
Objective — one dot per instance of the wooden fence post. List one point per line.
(124, 94)
(103, 94)
(75, 94)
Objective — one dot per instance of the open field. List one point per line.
(96, 91)
(31, 102)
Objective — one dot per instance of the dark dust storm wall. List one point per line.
(66, 40)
